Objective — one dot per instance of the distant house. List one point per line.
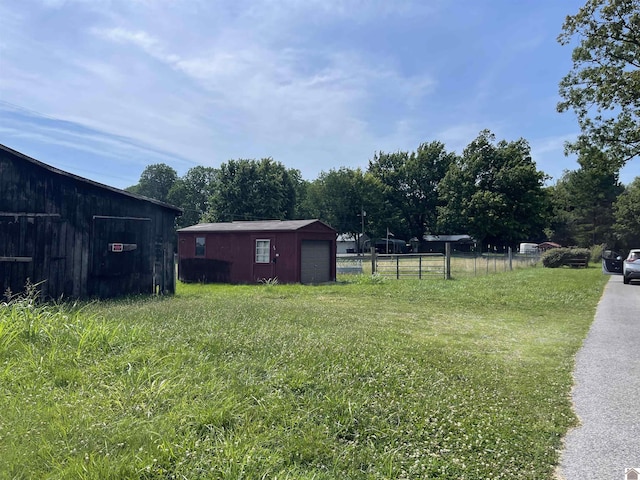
(293, 251)
(386, 245)
(437, 243)
(78, 238)
(348, 243)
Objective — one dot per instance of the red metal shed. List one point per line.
(293, 251)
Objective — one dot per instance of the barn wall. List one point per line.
(56, 229)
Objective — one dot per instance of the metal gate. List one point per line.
(411, 266)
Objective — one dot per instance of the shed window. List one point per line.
(262, 251)
(200, 246)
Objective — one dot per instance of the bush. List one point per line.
(596, 251)
(558, 257)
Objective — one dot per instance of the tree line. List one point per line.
(492, 191)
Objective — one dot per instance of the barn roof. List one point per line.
(254, 226)
(77, 178)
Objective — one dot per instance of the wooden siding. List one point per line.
(58, 229)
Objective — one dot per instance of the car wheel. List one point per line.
(625, 280)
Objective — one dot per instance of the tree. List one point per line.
(561, 225)
(155, 182)
(584, 201)
(627, 215)
(494, 193)
(192, 193)
(252, 190)
(603, 87)
(336, 197)
(300, 187)
(348, 200)
(410, 184)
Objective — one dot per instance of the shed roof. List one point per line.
(77, 178)
(253, 226)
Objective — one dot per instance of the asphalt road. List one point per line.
(606, 393)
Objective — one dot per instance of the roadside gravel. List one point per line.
(606, 393)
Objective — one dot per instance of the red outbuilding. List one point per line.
(291, 251)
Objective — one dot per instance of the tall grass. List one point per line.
(370, 378)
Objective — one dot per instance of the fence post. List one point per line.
(447, 261)
(373, 260)
(397, 267)
(510, 259)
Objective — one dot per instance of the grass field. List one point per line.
(366, 378)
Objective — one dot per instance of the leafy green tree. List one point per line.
(300, 186)
(410, 185)
(252, 190)
(348, 200)
(627, 216)
(494, 193)
(585, 200)
(155, 182)
(603, 87)
(192, 193)
(561, 225)
(336, 197)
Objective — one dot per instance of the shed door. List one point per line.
(315, 261)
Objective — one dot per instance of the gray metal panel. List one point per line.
(315, 261)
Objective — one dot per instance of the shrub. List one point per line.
(558, 257)
(596, 251)
(553, 258)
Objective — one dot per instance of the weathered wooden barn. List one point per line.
(293, 251)
(80, 238)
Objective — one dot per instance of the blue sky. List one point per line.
(104, 88)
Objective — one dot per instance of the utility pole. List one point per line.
(361, 242)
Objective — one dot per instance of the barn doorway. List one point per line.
(122, 257)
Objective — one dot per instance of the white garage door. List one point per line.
(316, 261)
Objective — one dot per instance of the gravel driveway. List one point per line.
(606, 393)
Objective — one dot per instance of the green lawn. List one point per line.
(460, 379)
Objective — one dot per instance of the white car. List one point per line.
(631, 266)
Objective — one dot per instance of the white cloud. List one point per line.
(212, 80)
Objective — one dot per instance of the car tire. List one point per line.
(625, 279)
